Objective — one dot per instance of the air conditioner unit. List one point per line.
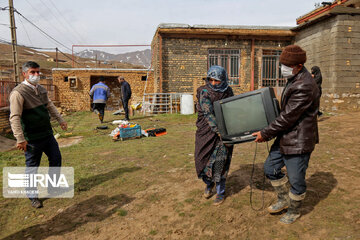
(73, 82)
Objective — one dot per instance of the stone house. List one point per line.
(73, 85)
(330, 34)
(182, 55)
(331, 37)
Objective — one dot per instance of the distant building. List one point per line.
(331, 37)
(330, 34)
(182, 54)
(73, 85)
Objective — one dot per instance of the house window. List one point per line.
(271, 71)
(228, 59)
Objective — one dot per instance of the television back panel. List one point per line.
(241, 115)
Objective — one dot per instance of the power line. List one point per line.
(49, 22)
(70, 58)
(65, 20)
(41, 30)
(3, 40)
(57, 19)
(25, 31)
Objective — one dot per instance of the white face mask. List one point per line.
(34, 79)
(286, 71)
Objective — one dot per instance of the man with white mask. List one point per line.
(30, 111)
(296, 133)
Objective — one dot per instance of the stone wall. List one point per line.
(334, 46)
(77, 98)
(185, 61)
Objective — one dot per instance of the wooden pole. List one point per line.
(14, 43)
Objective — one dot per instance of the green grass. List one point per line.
(111, 174)
(144, 177)
(122, 212)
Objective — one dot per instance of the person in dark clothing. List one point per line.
(212, 157)
(296, 133)
(316, 74)
(100, 93)
(125, 95)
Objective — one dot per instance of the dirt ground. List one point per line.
(170, 204)
(6, 144)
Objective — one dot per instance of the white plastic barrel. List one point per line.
(186, 104)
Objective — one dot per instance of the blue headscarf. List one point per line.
(218, 73)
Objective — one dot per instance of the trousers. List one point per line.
(296, 166)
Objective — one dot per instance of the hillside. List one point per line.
(47, 61)
(141, 58)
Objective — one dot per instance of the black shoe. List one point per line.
(36, 203)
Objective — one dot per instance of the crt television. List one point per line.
(239, 116)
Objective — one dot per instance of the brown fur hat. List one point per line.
(292, 55)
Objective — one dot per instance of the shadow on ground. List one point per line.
(85, 184)
(241, 178)
(94, 209)
(319, 185)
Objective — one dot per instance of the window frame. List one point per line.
(276, 80)
(223, 57)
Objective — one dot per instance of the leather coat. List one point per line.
(296, 127)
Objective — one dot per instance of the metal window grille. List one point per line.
(270, 71)
(156, 103)
(228, 59)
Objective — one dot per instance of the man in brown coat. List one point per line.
(296, 133)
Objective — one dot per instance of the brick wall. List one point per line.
(185, 61)
(334, 46)
(73, 99)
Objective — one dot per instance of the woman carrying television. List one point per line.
(212, 157)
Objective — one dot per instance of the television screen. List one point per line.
(244, 114)
(241, 115)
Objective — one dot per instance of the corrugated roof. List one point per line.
(234, 27)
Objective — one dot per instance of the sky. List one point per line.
(134, 22)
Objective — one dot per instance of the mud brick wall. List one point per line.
(75, 99)
(334, 46)
(185, 61)
(155, 62)
(4, 119)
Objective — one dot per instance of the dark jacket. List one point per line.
(206, 137)
(125, 91)
(296, 127)
(317, 77)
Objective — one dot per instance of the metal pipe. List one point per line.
(101, 45)
(301, 20)
(252, 83)
(160, 63)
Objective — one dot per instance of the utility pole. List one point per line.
(57, 62)
(14, 42)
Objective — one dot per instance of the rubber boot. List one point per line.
(293, 211)
(281, 187)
